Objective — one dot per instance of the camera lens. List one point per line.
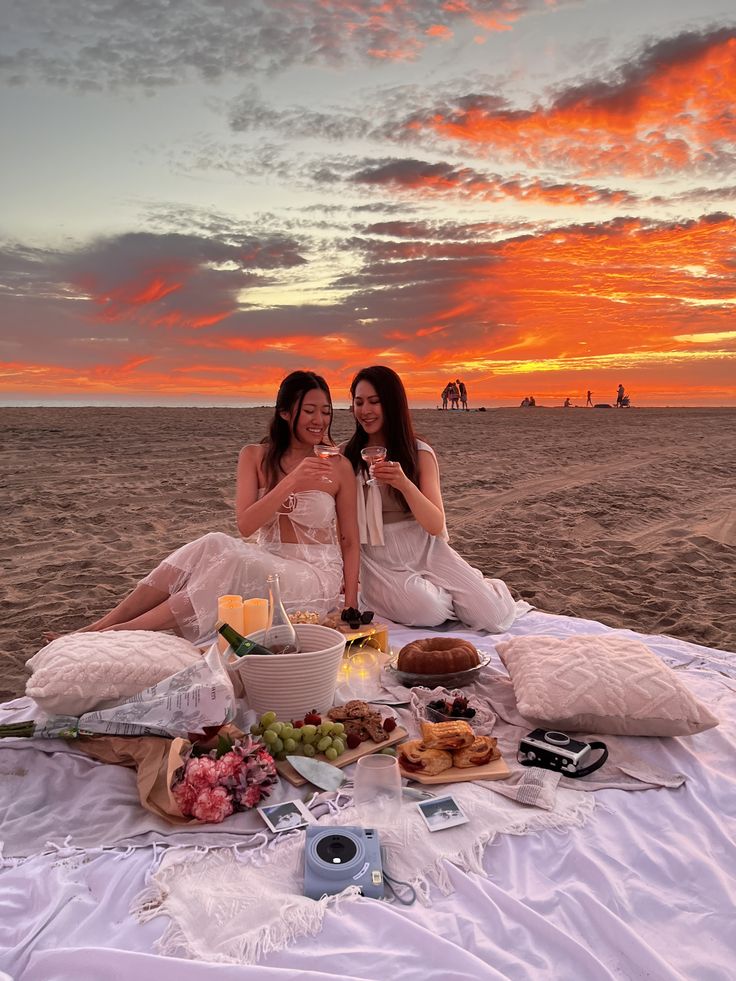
(336, 849)
(557, 738)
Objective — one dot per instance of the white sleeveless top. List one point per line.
(370, 507)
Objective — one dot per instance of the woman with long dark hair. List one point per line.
(408, 571)
(301, 510)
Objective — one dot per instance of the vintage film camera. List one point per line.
(335, 858)
(557, 751)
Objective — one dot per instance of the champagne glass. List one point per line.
(325, 451)
(377, 790)
(371, 455)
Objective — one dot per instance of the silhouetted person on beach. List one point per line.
(532, 401)
(463, 392)
(567, 404)
(620, 396)
(445, 393)
(589, 400)
(453, 394)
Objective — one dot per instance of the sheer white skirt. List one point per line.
(217, 564)
(419, 580)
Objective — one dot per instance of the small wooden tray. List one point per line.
(345, 759)
(495, 770)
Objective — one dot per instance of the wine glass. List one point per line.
(377, 790)
(325, 451)
(371, 455)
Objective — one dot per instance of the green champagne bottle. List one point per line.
(241, 645)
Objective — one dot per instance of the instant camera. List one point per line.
(335, 858)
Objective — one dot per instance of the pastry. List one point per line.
(414, 757)
(482, 750)
(437, 655)
(447, 735)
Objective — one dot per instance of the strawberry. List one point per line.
(353, 741)
(389, 724)
(298, 724)
(313, 718)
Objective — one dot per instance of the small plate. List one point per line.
(454, 680)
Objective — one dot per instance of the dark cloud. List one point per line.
(95, 44)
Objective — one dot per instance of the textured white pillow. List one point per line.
(78, 673)
(600, 684)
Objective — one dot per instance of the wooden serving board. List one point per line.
(495, 770)
(345, 759)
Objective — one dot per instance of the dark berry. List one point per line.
(389, 724)
(353, 741)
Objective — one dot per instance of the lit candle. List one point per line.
(255, 615)
(229, 610)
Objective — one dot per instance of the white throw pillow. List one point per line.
(602, 683)
(78, 673)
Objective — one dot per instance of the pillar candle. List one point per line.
(255, 615)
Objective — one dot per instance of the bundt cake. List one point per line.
(437, 655)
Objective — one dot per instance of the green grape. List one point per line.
(287, 732)
(267, 718)
(309, 734)
(255, 729)
(277, 745)
(289, 745)
(338, 728)
(331, 753)
(325, 728)
(269, 737)
(276, 727)
(296, 735)
(388, 751)
(324, 742)
(309, 750)
(339, 745)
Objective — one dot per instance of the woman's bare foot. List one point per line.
(49, 635)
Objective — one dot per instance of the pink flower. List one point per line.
(229, 766)
(185, 796)
(252, 795)
(212, 805)
(201, 772)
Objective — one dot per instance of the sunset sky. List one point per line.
(536, 196)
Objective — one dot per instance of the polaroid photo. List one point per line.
(285, 817)
(442, 812)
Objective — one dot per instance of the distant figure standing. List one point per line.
(524, 404)
(463, 394)
(620, 396)
(532, 401)
(453, 393)
(589, 400)
(445, 392)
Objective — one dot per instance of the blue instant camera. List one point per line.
(335, 858)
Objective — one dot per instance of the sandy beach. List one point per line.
(623, 516)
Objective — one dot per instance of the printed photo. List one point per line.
(285, 817)
(442, 812)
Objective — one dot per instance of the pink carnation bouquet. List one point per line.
(235, 776)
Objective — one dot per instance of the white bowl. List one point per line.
(292, 684)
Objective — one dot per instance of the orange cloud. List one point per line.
(669, 111)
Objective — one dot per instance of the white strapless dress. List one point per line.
(310, 568)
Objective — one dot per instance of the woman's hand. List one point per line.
(312, 470)
(390, 472)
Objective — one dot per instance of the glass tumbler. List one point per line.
(377, 791)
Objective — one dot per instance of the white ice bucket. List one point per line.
(292, 684)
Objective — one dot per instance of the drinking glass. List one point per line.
(377, 790)
(324, 451)
(371, 455)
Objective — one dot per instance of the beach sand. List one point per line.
(623, 516)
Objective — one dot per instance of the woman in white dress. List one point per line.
(408, 571)
(301, 511)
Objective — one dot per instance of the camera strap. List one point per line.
(391, 883)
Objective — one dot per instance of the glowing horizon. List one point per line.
(536, 197)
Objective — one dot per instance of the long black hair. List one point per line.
(398, 431)
(290, 396)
